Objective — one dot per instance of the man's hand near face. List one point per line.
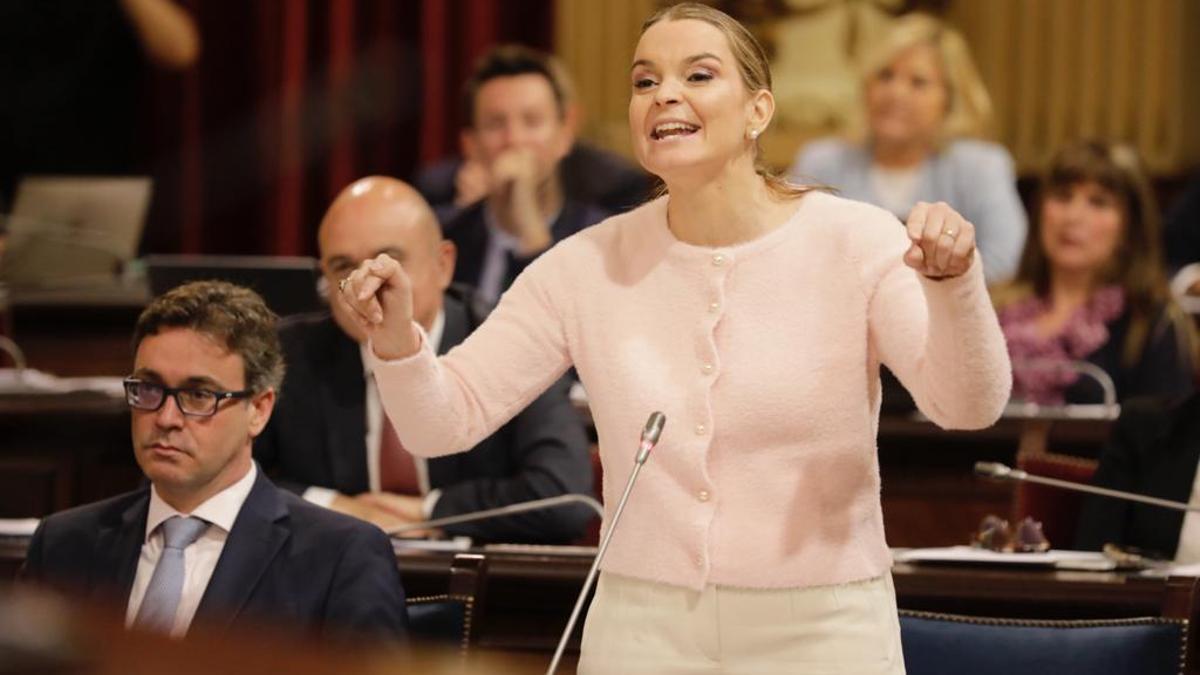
(471, 183)
(515, 181)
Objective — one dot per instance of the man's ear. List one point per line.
(447, 257)
(573, 118)
(261, 406)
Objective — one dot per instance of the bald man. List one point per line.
(329, 439)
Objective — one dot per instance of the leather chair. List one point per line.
(1057, 509)
(948, 644)
(447, 617)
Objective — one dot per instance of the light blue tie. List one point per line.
(166, 585)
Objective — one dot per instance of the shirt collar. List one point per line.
(220, 509)
(503, 238)
(434, 336)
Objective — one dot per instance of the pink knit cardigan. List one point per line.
(764, 357)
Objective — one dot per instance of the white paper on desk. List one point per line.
(970, 554)
(455, 544)
(30, 381)
(1172, 570)
(18, 527)
(543, 549)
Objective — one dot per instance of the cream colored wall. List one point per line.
(1057, 69)
(596, 38)
(1062, 69)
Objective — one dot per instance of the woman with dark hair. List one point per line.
(1092, 286)
(755, 314)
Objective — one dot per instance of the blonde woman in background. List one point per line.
(919, 138)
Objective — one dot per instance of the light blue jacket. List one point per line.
(974, 177)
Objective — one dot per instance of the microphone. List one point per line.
(999, 471)
(650, 435)
(507, 510)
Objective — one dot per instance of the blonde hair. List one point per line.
(968, 106)
(753, 66)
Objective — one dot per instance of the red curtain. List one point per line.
(293, 99)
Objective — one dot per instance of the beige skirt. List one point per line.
(637, 626)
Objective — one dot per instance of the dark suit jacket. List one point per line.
(316, 436)
(1181, 228)
(470, 233)
(285, 561)
(1164, 368)
(1154, 450)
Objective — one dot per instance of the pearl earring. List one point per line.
(754, 134)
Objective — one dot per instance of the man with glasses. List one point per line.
(211, 537)
(329, 440)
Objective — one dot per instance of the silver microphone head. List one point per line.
(992, 470)
(653, 428)
(650, 434)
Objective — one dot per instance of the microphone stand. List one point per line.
(1001, 472)
(650, 434)
(509, 510)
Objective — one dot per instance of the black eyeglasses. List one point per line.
(194, 401)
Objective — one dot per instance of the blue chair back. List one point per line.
(441, 618)
(946, 644)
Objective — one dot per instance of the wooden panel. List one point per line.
(63, 450)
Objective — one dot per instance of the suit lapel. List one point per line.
(258, 533)
(469, 233)
(1177, 445)
(457, 325)
(119, 546)
(343, 390)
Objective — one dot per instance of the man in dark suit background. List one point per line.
(589, 175)
(211, 537)
(329, 439)
(1153, 449)
(521, 128)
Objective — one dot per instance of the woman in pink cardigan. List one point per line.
(755, 314)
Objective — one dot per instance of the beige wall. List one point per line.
(596, 38)
(1057, 69)
(1060, 69)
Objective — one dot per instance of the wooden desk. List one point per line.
(78, 336)
(526, 597)
(62, 450)
(523, 598)
(929, 492)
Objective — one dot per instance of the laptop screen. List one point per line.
(288, 284)
(74, 228)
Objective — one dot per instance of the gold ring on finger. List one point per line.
(949, 233)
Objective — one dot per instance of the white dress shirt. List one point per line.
(322, 496)
(199, 559)
(495, 260)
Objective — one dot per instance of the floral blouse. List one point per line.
(1039, 362)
